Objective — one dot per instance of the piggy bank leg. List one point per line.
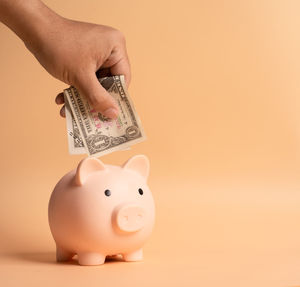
(63, 255)
(134, 256)
(90, 258)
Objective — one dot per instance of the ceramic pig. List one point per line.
(99, 210)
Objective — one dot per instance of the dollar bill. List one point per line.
(75, 142)
(90, 132)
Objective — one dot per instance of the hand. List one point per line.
(69, 50)
(73, 54)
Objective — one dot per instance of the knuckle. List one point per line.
(118, 35)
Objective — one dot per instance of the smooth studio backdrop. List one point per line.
(216, 84)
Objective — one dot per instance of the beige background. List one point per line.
(216, 84)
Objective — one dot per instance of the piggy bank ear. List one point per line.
(86, 167)
(139, 164)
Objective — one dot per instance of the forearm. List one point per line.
(29, 19)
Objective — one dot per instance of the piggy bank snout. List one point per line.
(130, 218)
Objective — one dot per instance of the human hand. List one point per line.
(71, 51)
(73, 54)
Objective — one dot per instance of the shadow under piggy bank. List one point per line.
(49, 258)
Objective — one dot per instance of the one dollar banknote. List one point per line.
(90, 132)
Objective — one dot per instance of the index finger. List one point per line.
(122, 68)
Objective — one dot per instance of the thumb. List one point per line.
(89, 86)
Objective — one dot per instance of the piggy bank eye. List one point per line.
(107, 192)
(141, 191)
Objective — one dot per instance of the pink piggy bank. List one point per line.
(99, 210)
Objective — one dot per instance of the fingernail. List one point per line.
(111, 113)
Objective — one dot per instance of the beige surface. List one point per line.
(217, 89)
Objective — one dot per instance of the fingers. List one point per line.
(122, 68)
(60, 99)
(98, 97)
(88, 85)
(62, 111)
(118, 61)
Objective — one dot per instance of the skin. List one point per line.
(69, 50)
